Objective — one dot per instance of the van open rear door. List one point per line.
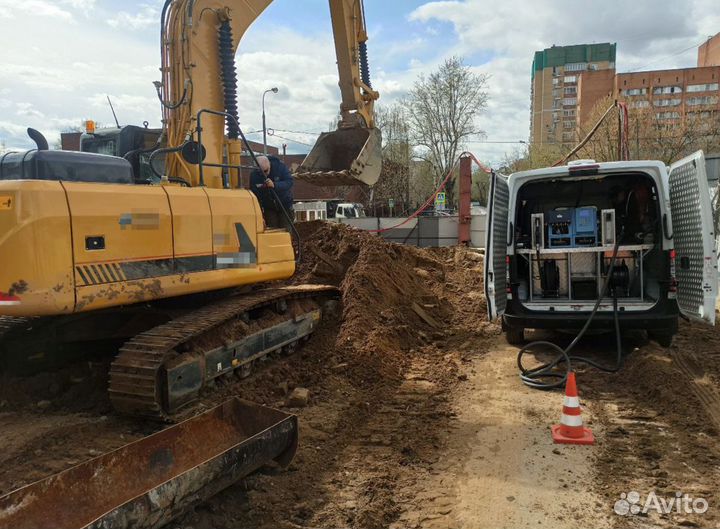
(694, 238)
(496, 246)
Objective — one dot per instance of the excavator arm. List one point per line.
(198, 92)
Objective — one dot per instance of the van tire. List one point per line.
(663, 338)
(515, 336)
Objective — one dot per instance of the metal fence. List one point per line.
(424, 232)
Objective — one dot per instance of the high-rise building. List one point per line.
(554, 88)
(674, 94)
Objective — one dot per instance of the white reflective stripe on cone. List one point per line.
(571, 420)
(571, 402)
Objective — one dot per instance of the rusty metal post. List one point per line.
(464, 217)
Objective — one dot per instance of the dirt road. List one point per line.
(416, 415)
(507, 471)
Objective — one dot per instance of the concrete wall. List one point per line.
(424, 232)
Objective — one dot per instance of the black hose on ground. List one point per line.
(545, 376)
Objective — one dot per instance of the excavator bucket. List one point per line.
(149, 482)
(345, 157)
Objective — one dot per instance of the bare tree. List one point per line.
(442, 110)
(394, 182)
(654, 133)
(533, 157)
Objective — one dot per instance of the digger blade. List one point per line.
(345, 157)
(149, 482)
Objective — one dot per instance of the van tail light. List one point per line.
(508, 289)
(8, 299)
(672, 288)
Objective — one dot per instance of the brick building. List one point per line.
(554, 88)
(709, 52)
(576, 87)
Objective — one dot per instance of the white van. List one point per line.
(552, 232)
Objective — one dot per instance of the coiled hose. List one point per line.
(544, 377)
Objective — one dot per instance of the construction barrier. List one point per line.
(424, 232)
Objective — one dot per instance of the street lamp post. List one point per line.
(274, 90)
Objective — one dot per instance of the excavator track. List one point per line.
(151, 378)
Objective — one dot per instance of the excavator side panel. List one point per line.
(122, 242)
(192, 228)
(36, 264)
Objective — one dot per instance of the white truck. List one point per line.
(552, 232)
(327, 209)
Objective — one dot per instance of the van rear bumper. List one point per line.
(662, 316)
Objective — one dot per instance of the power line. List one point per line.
(668, 56)
(291, 140)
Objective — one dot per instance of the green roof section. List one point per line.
(561, 55)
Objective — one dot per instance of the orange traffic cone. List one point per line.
(571, 429)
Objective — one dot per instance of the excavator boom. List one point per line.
(199, 40)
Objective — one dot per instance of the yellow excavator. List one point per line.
(170, 268)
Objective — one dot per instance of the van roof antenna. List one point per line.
(113, 111)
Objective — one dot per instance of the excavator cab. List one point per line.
(347, 156)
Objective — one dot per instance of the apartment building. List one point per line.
(554, 87)
(675, 94)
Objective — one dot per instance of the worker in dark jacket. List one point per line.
(273, 175)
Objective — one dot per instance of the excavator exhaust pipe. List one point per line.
(345, 157)
(147, 483)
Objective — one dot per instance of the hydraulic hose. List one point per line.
(364, 64)
(545, 377)
(228, 75)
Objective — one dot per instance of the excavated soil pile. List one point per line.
(394, 297)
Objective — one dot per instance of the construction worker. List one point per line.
(272, 184)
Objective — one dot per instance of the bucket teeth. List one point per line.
(328, 178)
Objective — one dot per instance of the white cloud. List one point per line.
(34, 8)
(146, 16)
(511, 31)
(28, 110)
(85, 5)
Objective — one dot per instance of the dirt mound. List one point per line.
(395, 297)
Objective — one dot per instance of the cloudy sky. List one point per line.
(60, 58)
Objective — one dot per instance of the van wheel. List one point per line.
(515, 336)
(663, 338)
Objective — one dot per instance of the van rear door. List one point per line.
(496, 246)
(694, 238)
